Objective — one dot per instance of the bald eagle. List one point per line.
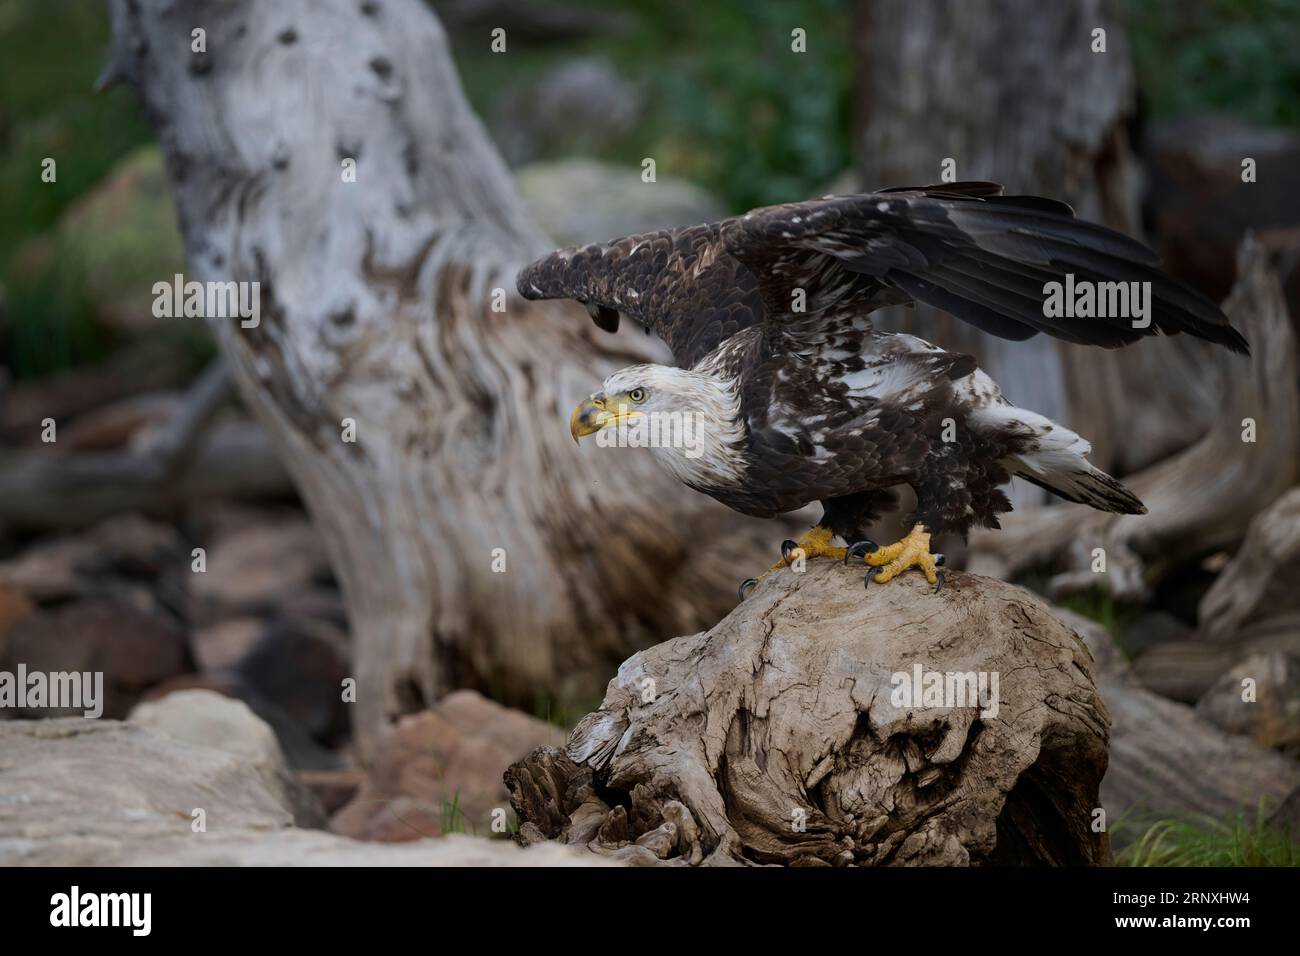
(789, 395)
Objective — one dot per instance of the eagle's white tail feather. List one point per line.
(1055, 459)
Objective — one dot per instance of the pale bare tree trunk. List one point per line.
(376, 307)
(1012, 92)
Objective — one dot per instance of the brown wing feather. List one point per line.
(680, 284)
(962, 248)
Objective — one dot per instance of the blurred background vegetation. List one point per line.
(747, 133)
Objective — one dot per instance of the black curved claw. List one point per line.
(871, 573)
(860, 549)
(939, 585)
(938, 560)
(786, 547)
(746, 586)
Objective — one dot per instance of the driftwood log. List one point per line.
(377, 306)
(1262, 581)
(186, 458)
(1200, 500)
(1012, 91)
(1165, 760)
(778, 736)
(1252, 608)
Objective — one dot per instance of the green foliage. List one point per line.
(454, 820)
(453, 817)
(52, 51)
(53, 324)
(1240, 56)
(1204, 841)
(564, 714)
(731, 107)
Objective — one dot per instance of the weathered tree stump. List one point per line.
(782, 735)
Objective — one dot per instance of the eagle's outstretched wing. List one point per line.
(679, 283)
(966, 249)
(961, 247)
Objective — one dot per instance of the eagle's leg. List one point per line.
(911, 552)
(814, 543)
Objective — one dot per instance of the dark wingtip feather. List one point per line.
(1236, 342)
(527, 281)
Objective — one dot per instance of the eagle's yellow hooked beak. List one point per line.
(589, 417)
(593, 414)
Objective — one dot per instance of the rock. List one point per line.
(77, 792)
(206, 719)
(333, 788)
(581, 200)
(248, 569)
(318, 604)
(294, 847)
(302, 750)
(1271, 715)
(14, 606)
(134, 546)
(1167, 761)
(100, 562)
(442, 769)
(47, 571)
(221, 519)
(780, 735)
(299, 666)
(578, 107)
(135, 649)
(222, 645)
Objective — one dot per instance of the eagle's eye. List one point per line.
(637, 395)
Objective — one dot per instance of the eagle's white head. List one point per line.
(689, 418)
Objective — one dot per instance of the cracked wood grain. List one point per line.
(783, 714)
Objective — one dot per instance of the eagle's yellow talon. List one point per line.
(815, 543)
(885, 555)
(911, 552)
